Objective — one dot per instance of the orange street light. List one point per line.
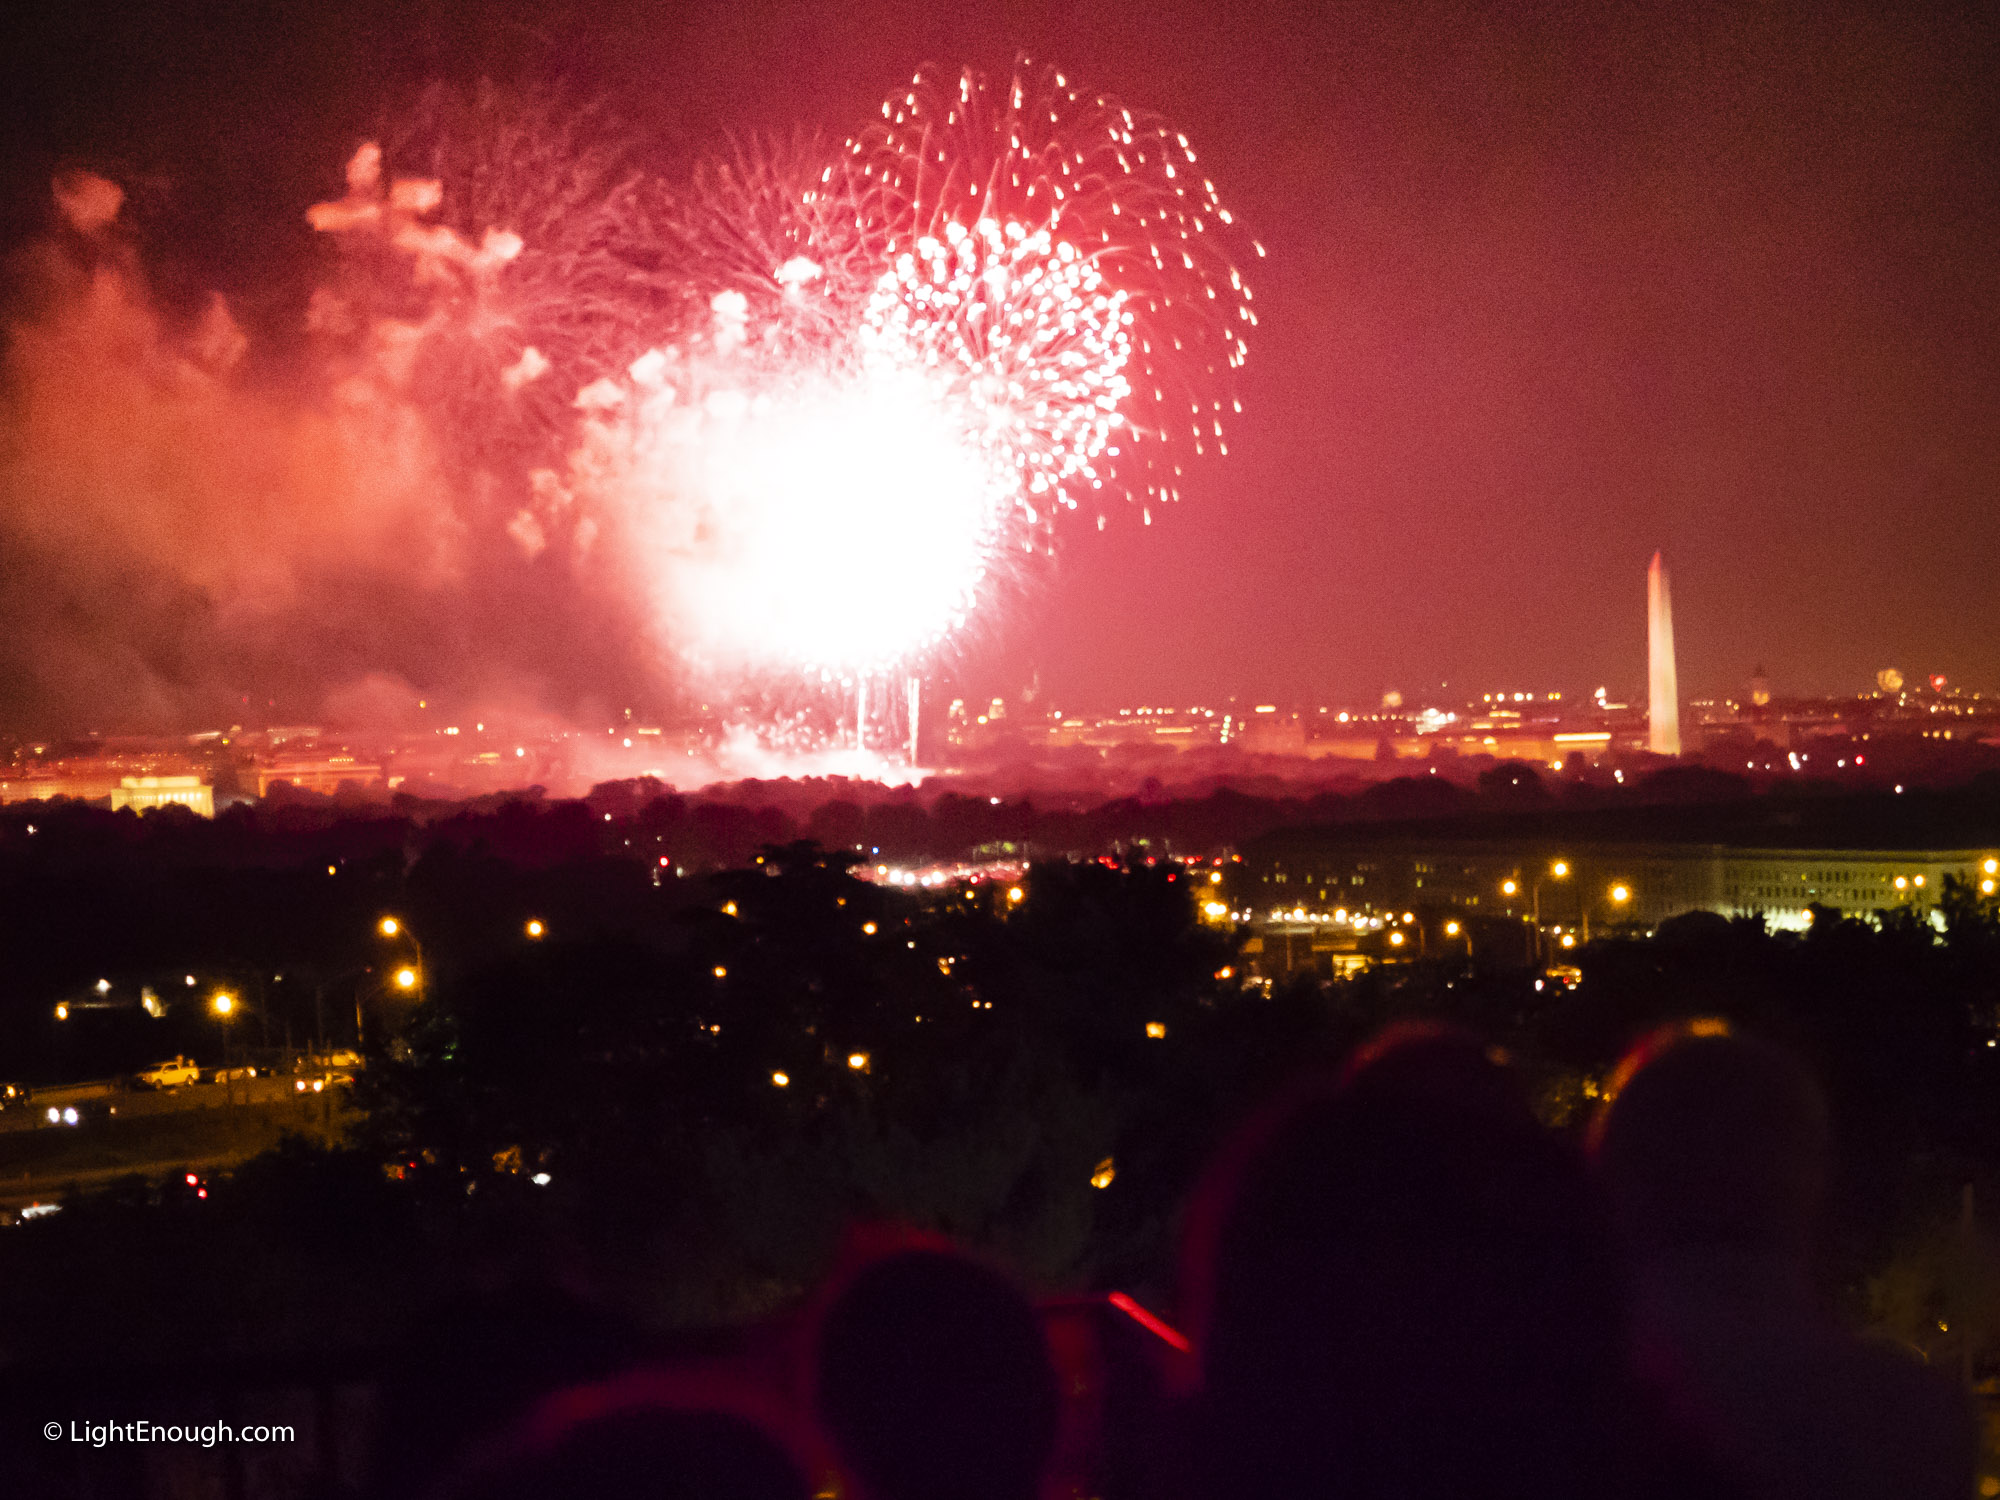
(224, 1004)
(409, 976)
(1621, 893)
(535, 929)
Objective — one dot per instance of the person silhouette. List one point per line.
(1403, 1288)
(1716, 1152)
(644, 1435)
(934, 1382)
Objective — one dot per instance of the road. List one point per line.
(160, 1134)
(138, 1102)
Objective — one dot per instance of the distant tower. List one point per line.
(1662, 685)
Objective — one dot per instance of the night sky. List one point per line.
(1547, 288)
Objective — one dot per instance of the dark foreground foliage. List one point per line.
(683, 1115)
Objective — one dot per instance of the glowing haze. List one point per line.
(784, 426)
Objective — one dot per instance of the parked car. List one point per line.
(237, 1074)
(340, 1060)
(170, 1075)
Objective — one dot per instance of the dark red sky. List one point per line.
(1547, 288)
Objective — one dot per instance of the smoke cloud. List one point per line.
(186, 526)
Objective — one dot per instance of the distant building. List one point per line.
(136, 782)
(143, 792)
(324, 774)
(1310, 871)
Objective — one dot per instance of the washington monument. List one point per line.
(1663, 703)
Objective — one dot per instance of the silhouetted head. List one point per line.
(1714, 1139)
(1409, 1291)
(474, 1368)
(934, 1381)
(640, 1437)
(1427, 1063)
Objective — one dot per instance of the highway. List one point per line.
(114, 1099)
(156, 1134)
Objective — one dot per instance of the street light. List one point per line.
(224, 1005)
(1621, 893)
(409, 977)
(535, 929)
(1558, 870)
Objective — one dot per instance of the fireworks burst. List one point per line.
(1116, 192)
(824, 400)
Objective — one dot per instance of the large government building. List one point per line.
(1312, 893)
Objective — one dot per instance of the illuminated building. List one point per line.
(118, 780)
(143, 792)
(1306, 872)
(324, 774)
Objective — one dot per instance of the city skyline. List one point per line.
(1504, 352)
